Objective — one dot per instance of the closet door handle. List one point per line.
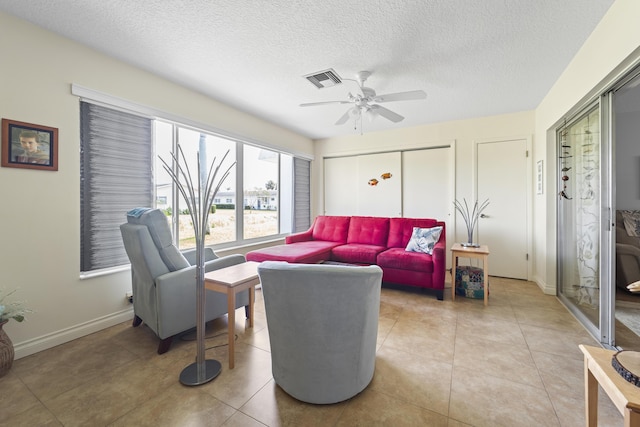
(484, 216)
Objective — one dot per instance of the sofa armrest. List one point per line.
(624, 249)
(304, 236)
(439, 257)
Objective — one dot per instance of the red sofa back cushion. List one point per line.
(400, 230)
(368, 230)
(331, 228)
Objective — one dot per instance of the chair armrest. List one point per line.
(186, 276)
(304, 236)
(190, 255)
(225, 261)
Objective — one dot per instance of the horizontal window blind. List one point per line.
(301, 194)
(116, 175)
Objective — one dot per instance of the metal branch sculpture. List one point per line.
(199, 203)
(470, 218)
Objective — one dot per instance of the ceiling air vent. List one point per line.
(322, 79)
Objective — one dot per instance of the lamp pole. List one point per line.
(199, 204)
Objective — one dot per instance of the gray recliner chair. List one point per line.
(323, 326)
(164, 279)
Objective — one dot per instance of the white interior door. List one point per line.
(502, 178)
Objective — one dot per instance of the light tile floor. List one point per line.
(439, 363)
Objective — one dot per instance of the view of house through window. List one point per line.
(260, 192)
(258, 209)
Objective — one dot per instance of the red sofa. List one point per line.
(366, 240)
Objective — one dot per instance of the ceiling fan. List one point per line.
(367, 101)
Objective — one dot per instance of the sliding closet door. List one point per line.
(340, 185)
(379, 185)
(428, 185)
(367, 185)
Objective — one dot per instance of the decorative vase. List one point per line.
(6, 351)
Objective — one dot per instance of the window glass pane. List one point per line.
(260, 192)
(222, 223)
(579, 213)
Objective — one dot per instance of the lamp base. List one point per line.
(189, 375)
(470, 245)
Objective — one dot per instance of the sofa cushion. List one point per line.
(368, 230)
(424, 239)
(331, 228)
(398, 258)
(401, 229)
(302, 252)
(356, 253)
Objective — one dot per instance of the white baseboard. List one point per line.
(35, 345)
(544, 287)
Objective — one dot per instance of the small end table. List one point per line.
(230, 281)
(481, 252)
(624, 395)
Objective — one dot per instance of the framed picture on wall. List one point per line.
(29, 146)
(539, 177)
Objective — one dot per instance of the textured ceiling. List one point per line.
(472, 58)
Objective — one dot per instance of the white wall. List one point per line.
(607, 53)
(463, 132)
(40, 215)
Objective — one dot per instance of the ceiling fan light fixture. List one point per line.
(371, 114)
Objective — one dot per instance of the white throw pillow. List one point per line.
(423, 239)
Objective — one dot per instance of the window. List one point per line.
(121, 170)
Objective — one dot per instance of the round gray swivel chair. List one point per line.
(323, 326)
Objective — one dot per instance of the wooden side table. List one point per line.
(229, 281)
(482, 252)
(624, 395)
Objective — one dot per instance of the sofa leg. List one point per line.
(440, 294)
(136, 321)
(164, 345)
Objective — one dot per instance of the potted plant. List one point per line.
(470, 217)
(8, 310)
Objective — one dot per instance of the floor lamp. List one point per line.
(199, 201)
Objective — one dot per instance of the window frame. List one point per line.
(112, 102)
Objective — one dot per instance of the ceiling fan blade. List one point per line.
(386, 113)
(311, 104)
(401, 96)
(350, 113)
